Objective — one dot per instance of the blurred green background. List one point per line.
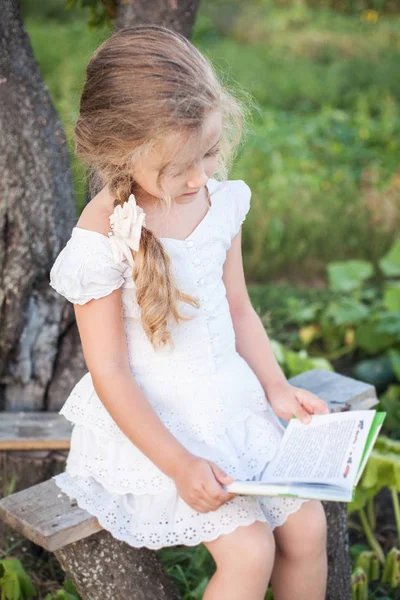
(322, 147)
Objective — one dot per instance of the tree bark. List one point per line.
(339, 567)
(178, 15)
(103, 567)
(37, 211)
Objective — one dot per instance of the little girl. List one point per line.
(183, 393)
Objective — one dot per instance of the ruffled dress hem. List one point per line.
(245, 509)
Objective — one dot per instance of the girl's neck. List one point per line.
(184, 214)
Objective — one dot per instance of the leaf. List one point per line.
(382, 470)
(383, 465)
(347, 311)
(69, 586)
(369, 339)
(360, 498)
(299, 362)
(356, 549)
(319, 362)
(198, 592)
(10, 588)
(64, 595)
(16, 580)
(394, 356)
(391, 297)
(390, 263)
(350, 275)
(389, 322)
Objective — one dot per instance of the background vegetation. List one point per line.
(321, 154)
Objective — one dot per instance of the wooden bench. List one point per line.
(103, 567)
(34, 431)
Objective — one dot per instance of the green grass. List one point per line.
(321, 154)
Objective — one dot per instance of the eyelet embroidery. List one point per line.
(204, 391)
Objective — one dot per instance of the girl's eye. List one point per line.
(212, 152)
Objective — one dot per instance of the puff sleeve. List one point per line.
(85, 269)
(240, 195)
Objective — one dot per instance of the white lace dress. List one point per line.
(205, 393)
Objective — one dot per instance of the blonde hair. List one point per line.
(142, 84)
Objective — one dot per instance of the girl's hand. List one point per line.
(199, 481)
(287, 400)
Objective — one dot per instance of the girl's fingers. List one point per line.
(313, 403)
(202, 506)
(302, 414)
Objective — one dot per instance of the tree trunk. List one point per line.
(339, 566)
(178, 15)
(104, 567)
(37, 211)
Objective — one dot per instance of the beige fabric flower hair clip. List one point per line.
(125, 230)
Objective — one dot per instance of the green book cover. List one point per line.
(369, 444)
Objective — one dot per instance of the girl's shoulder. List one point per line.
(90, 266)
(85, 269)
(232, 198)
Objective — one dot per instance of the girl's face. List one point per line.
(182, 178)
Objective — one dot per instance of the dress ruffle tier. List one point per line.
(140, 505)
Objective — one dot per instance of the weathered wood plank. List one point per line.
(47, 517)
(36, 430)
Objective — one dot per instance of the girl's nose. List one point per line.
(197, 178)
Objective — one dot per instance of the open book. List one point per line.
(323, 459)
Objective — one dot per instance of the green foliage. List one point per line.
(382, 470)
(390, 263)
(321, 157)
(359, 585)
(367, 582)
(357, 320)
(390, 401)
(295, 363)
(15, 583)
(306, 173)
(391, 571)
(189, 568)
(348, 276)
(355, 6)
(368, 561)
(99, 12)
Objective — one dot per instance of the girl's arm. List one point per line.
(106, 357)
(253, 344)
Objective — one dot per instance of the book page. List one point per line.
(327, 450)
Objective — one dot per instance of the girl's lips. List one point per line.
(191, 193)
